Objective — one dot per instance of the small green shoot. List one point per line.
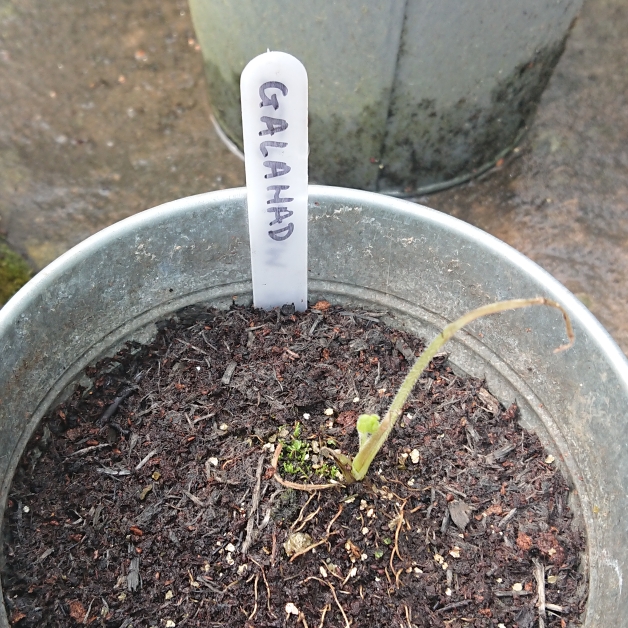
(367, 426)
(296, 458)
(373, 432)
(295, 454)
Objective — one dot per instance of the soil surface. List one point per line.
(150, 497)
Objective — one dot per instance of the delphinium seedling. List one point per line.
(296, 452)
(296, 457)
(373, 432)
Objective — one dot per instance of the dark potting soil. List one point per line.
(149, 498)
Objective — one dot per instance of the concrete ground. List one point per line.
(104, 113)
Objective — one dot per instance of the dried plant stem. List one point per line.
(333, 592)
(303, 487)
(267, 587)
(539, 576)
(254, 506)
(328, 533)
(400, 520)
(298, 520)
(323, 613)
(296, 485)
(305, 521)
(255, 607)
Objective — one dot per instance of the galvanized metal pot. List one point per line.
(423, 267)
(406, 96)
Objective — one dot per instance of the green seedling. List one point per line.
(373, 432)
(295, 454)
(296, 458)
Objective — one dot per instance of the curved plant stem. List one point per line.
(367, 453)
(296, 485)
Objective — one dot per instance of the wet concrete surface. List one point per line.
(104, 113)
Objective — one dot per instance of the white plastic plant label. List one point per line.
(274, 121)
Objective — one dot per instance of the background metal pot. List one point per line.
(423, 267)
(406, 96)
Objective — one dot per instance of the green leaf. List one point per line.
(367, 423)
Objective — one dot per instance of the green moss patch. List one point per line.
(14, 272)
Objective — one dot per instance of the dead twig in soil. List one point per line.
(202, 418)
(88, 612)
(187, 344)
(210, 586)
(451, 489)
(107, 471)
(333, 572)
(86, 450)
(277, 378)
(133, 579)
(132, 442)
(145, 459)
(432, 502)
(400, 519)
(195, 499)
(254, 506)
(408, 615)
(228, 374)
(45, 555)
(511, 593)
(389, 494)
(303, 487)
(328, 533)
(276, 454)
(539, 576)
(453, 605)
(267, 587)
(300, 515)
(255, 607)
(499, 454)
(119, 429)
(504, 522)
(324, 612)
(266, 519)
(306, 520)
(273, 553)
(295, 485)
(388, 576)
(333, 591)
(301, 618)
(115, 404)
